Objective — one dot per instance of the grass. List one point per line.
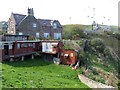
(39, 74)
(94, 62)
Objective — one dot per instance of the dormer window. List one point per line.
(54, 25)
(34, 25)
(44, 23)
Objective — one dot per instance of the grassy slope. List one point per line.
(39, 74)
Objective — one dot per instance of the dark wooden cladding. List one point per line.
(23, 48)
(49, 48)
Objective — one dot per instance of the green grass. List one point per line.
(112, 65)
(39, 74)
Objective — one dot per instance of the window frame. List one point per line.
(34, 25)
(46, 36)
(54, 25)
(57, 36)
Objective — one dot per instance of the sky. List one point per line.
(66, 11)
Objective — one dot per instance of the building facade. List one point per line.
(3, 26)
(19, 24)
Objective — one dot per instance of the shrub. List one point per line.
(106, 52)
(118, 84)
(73, 32)
(96, 45)
(71, 45)
(94, 71)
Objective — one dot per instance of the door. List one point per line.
(6, 49)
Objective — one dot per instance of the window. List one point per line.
(71, 55)
(19, 38)
(11, 32)
(30, 44)
(34, 25)
(1, 46)
(37, 35)
(46, 47)
(10, 46)
(57, 35)
(44, 23)
(24, 45)
(33, 45)
(54, 25)
(18, 45)
(46, 35)
(20, 33)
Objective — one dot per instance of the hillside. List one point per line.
(99, 56)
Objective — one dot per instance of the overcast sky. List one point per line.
(66, 11)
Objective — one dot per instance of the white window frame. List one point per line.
(37, 35)
(46, 35)
(18, 45)
(34, 25)
(20, 33)
(57, 35)
(54, 25)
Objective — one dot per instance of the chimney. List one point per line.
(30, 12)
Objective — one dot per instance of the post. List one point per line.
(22, 58)
(11, 59)
(32, 56)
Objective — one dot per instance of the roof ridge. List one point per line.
(22, 19)
(19, 14)
(46, 19)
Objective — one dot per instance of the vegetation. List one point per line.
(98, 53)
(39, 74)
(73, 32)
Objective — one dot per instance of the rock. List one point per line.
(56, 61)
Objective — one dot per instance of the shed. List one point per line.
(68, 57)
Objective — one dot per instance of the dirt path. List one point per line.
(93, 84)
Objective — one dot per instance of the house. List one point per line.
(3, 26)
(105, 28)
(19, 24)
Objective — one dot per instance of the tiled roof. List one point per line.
(44, 22)
(47, 22)
(18, 18)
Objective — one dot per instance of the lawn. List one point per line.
(39, 74)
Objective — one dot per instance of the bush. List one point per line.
(106, 52)
(118, 84)
(71, 45)
(73, 32)
(117, 35)
(96, 45)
